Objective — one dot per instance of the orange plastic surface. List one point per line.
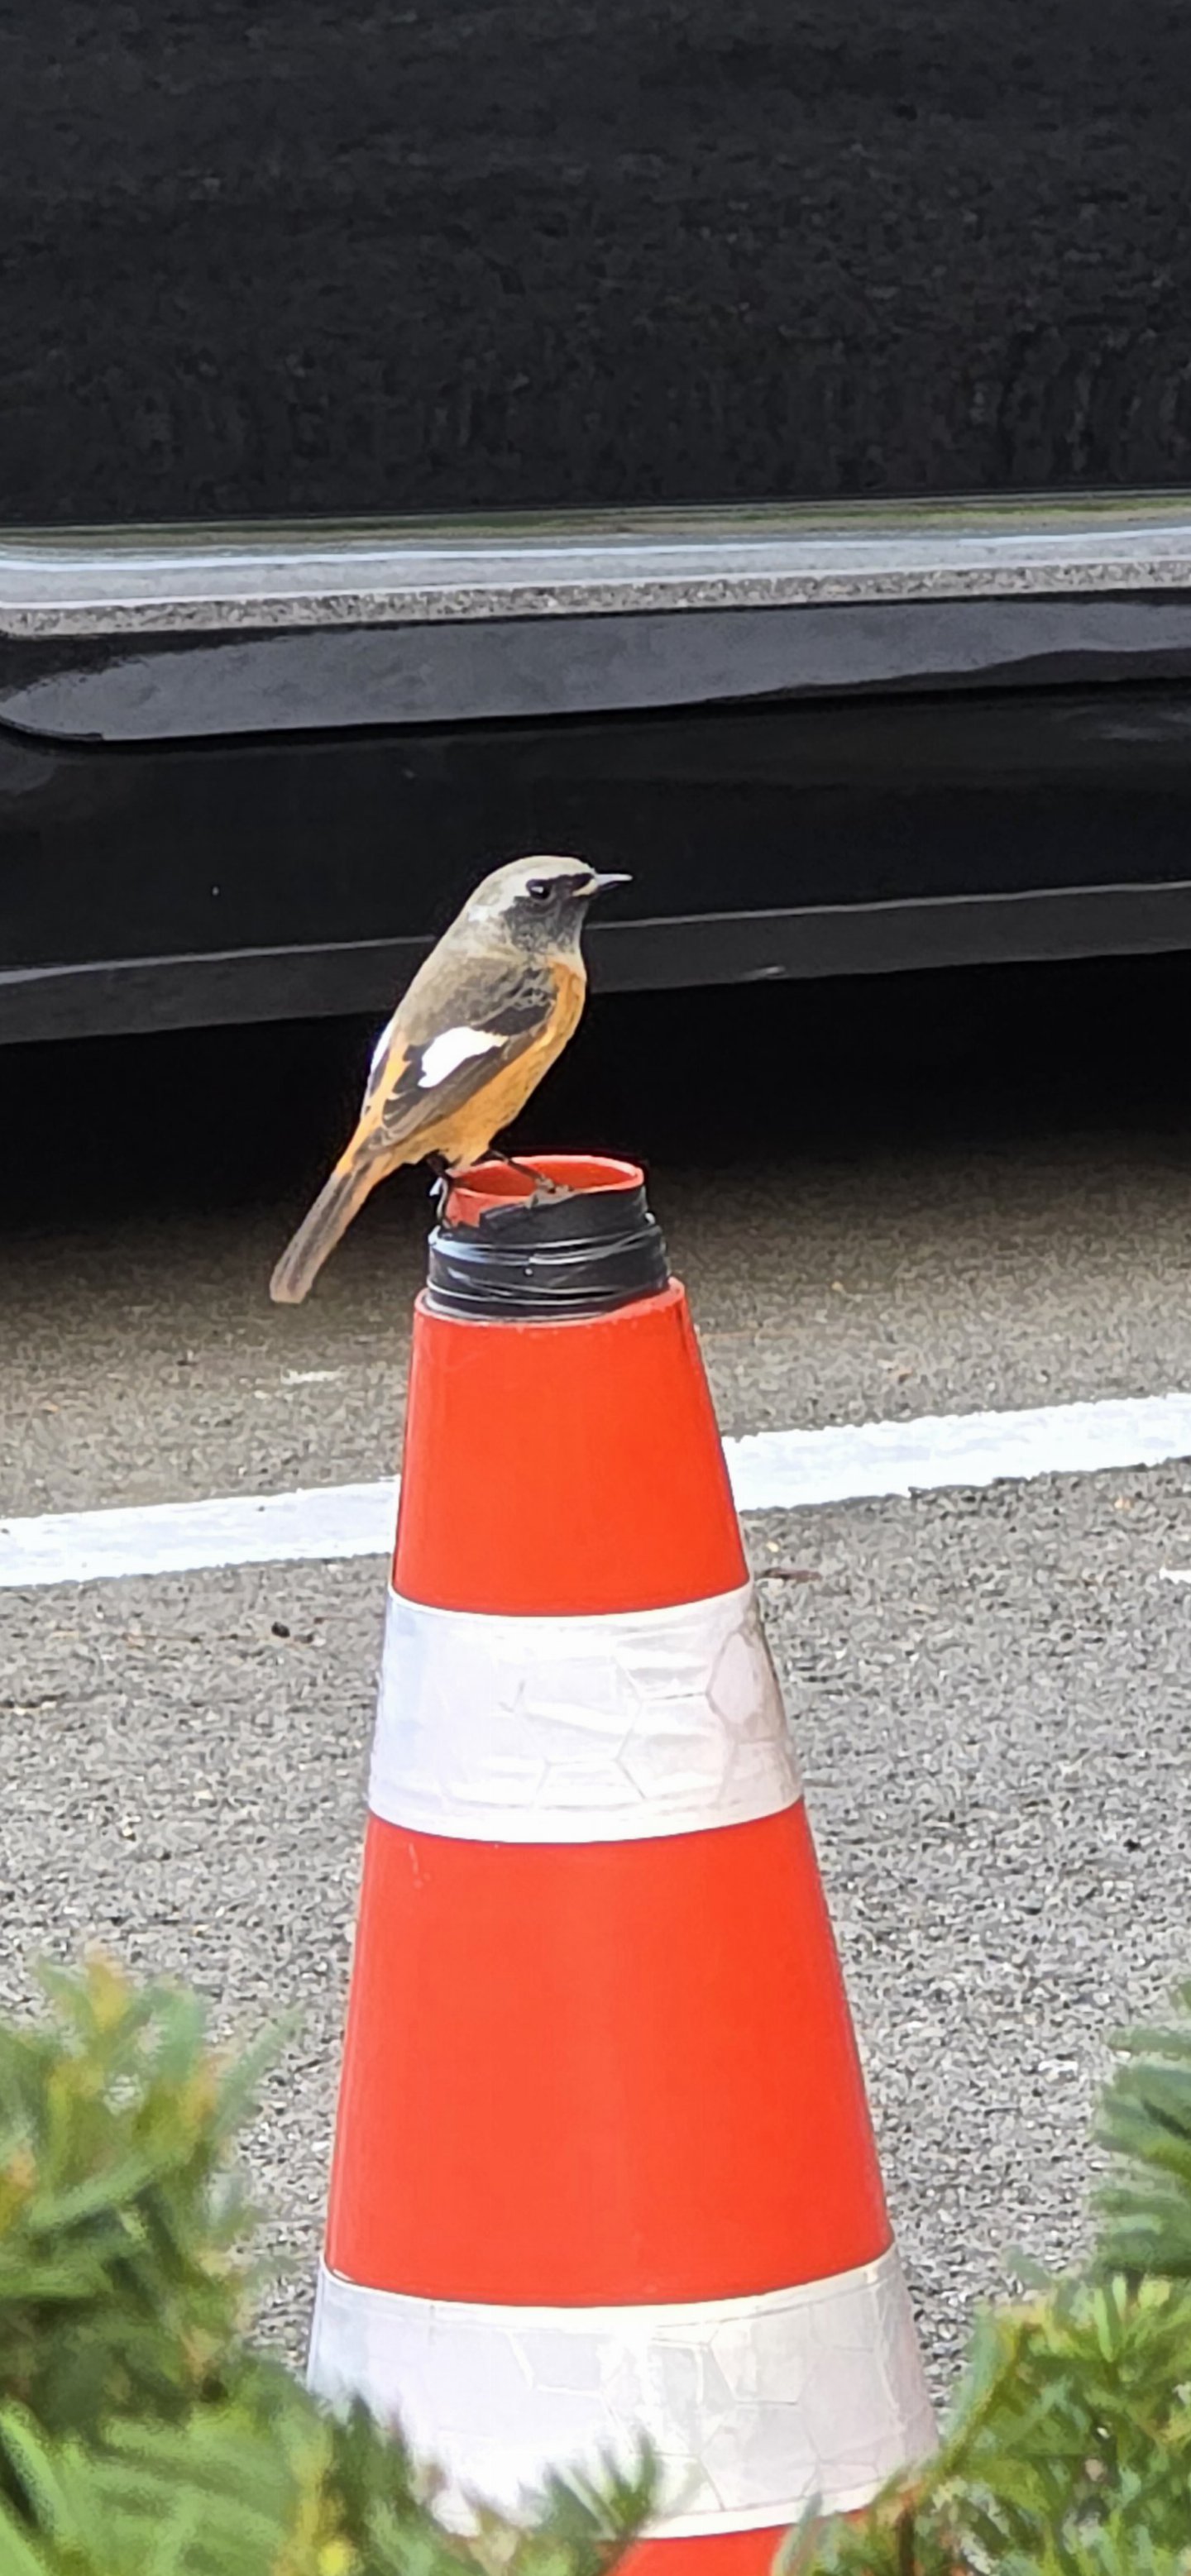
(487, 1183)
(614, 2072)
(718, 2553)
(564, 1466)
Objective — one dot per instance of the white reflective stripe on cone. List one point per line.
(603, 1729)
(754, 2405)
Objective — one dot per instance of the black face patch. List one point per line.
(549, 905)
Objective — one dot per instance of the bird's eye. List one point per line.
(540, 888)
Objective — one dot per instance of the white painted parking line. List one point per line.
(180, 1538)
(775, 1470)
(770, 1470)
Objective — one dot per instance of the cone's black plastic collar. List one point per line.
(582, 1252)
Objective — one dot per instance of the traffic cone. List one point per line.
(603, 2162)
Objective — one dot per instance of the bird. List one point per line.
(484, 1018)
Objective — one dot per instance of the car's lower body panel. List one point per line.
(166, 885)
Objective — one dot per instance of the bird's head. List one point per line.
(539, 903)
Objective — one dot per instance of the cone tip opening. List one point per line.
(495, 1184)
(552, 1237)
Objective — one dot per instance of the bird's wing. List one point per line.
(433, 1058)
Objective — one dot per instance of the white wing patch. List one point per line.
(378, 1053)
(445, 1054)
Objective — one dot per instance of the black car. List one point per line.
(747, 444)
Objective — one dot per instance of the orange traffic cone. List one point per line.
(603, 2162)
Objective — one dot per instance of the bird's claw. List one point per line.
(546, 1190)
(545, 1187)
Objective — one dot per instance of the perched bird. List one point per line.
(482, 1021)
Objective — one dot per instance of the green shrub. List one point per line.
(124, 2287)
(140, 2434)
(1067, 2451)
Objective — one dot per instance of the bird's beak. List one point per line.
(600, 885)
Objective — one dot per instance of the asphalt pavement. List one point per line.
(936, 1196)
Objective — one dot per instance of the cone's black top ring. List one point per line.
(509, 1249)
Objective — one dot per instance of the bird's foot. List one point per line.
(545, 1192)
(544, 1186)
(440, 1186)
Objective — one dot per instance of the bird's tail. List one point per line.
(337, 1203)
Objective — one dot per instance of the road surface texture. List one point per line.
(936, 1196)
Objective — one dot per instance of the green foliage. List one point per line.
(236, 2489)
(122, 2279)
(140, 2433)
(1146, 2120)
(1067, 2451)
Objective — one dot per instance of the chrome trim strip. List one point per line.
(167, 688)
(160, 581)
